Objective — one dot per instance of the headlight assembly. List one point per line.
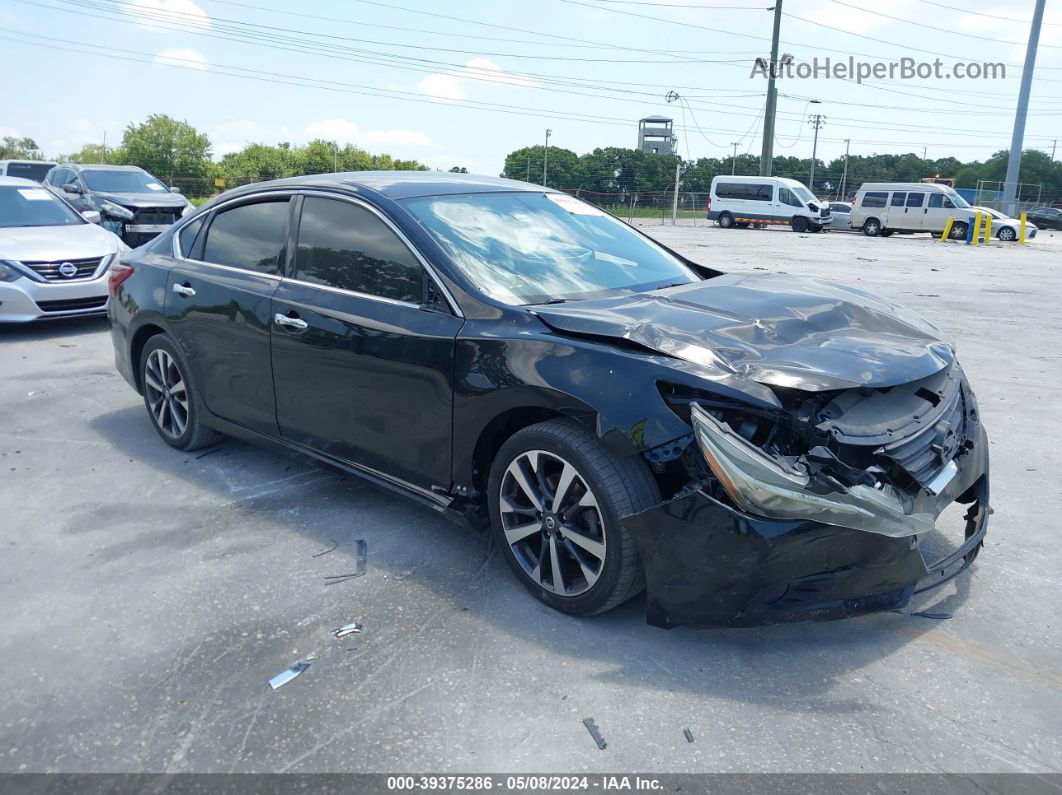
(8, 271)
(116, 211)
(763, 486)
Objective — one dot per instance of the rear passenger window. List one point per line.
(186, 237)
(915, 199)
(249, 236)
(875, 199)
(346, 246)
(898, 199)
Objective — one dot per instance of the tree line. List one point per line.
(618, 172)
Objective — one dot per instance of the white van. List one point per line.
(740, 201)
(881, 208)
(27, 169)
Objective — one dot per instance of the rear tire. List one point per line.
(597, 562)
(799, 224)
(726, 220)
(171, 396)
(872, 227)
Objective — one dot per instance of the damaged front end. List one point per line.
(815, 510)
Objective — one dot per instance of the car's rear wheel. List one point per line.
(872, 227)
(171, 396)
(556, 498)
(1007, 234)
(726, 220)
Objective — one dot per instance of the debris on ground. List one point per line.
(349, 629)
(937, 616)
(361, 554)
(211, 451)
(689, 735)
(335, 545)
(402, 575)
(592, 728)
(284, 677)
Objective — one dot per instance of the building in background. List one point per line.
(656, 136)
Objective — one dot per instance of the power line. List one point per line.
(983, 14)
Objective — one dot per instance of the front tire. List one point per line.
(171, 397)
(799, 224)
(958, 231)
(1007, 234)
(556, 496)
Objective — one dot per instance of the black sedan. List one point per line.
(749, 448)
(1046, 217)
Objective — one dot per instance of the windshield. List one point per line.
(31, 206)
(803, 193)
(956, 199)
(530, 248)
(122, 182)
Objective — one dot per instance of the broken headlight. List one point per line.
(778, 489)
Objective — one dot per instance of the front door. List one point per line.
(914, 211)
(363, 360)
(217, 304)
(894, 213)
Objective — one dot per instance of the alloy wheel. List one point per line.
(167, 395)
(552, 523)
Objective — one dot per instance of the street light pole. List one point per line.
(844, 174)
(767, 151)
(817, 120)
(545, 158)
(1010, 186)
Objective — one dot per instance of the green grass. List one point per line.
(652, 212)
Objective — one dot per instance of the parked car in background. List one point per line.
(53, 260)
(36, 170)
(1046, 217)
(882, 208)
(840, 215)
(1006, 228)
(741, 201)
(133, 204)
(752, 448)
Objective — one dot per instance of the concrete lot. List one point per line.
(148, 595)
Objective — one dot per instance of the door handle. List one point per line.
(184, 290)
(290, 322)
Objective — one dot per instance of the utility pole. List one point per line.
(528, 169)
(1010, 187)
(733, 160)
(767, 152)
(1054, 143)
(817, 120)
(335, 158)
(844, 174)
(674, 204)
(545, 158)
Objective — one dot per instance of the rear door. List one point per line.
(363, 345)
(218, 307)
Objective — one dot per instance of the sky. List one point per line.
(462, 84)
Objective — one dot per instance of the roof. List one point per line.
(656, 118)
(18, 182)
(407, 184)
(100, 166)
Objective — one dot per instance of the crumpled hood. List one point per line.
(140, 200)
(55, 243)
(773, 329)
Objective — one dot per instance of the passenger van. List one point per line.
(26, 169)
(740, 201)
(882, 208)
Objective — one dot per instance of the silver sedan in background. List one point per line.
(840, 216)
(53, 260)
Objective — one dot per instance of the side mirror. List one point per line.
(72, 187)
(91, 216)
(174, 189)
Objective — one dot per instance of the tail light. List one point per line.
(119, 273)
(709, 207)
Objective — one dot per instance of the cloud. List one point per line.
(346, 131)
(181, 56)
(167, 14)
(486, 69)
(858, 20)
(442, 87)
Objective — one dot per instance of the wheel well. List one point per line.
(140, 338)
(497, 432)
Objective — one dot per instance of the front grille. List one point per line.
(50, 270)
(73, 304)
(924, 454)
(156, 215)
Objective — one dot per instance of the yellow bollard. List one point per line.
(976, 239)
(1021, 228)
(947, 228)
(988, 228)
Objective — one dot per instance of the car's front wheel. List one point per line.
(171, 396)
(1007, 234)
(556, 498)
